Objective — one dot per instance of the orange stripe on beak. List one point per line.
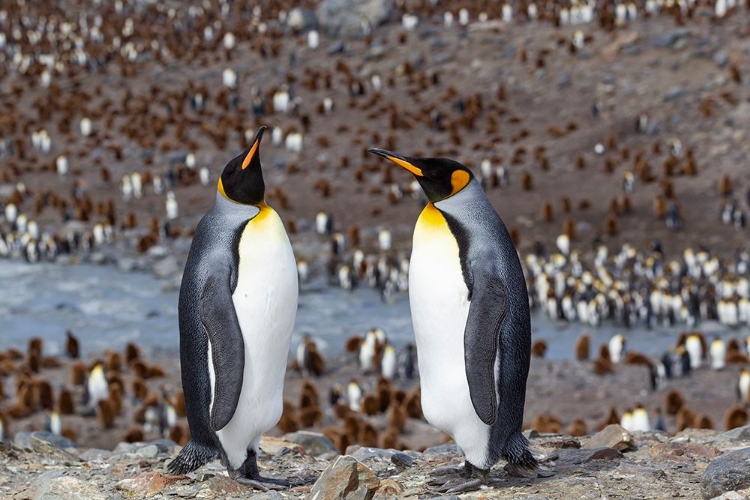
(250, 155)
(408, 166)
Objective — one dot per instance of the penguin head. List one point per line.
(242, 178)
(440, 178)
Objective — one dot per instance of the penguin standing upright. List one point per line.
(470, 311)
(237, 307)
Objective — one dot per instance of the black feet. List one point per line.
(248, 475)
(454, 480)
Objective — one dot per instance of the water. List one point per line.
(107, 308)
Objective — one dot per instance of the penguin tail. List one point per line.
(517, 453)
(192, 456)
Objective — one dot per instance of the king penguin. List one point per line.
(237, 307)
(470, 312)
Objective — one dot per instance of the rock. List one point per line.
(149, 451)
(628, 469)
(731, 495)
(612, 436)
(402, 460)
(442, 449)
(738, 434)
(730, 471)
(721, 59)
(302, 20)
(32, 440)
(313, 443)
(389, 490)
(345, 478)
(674, 93)
(148, 483)
(338, 47)
(669, 39)
(572, 456)
(344, 18)
(63, 488)
(95, 455)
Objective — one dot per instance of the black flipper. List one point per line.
(487, 311)
(227, 346)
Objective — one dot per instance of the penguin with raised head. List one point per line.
(470, 311)
(237, 307)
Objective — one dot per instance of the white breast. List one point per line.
(439, 306)
(266, 303)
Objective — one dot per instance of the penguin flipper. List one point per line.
(481, 339)
(227, 345)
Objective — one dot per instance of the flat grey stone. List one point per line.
(728, 472)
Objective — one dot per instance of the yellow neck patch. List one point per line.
(459, 180)
(431, 217)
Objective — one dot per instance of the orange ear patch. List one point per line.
(459, 180)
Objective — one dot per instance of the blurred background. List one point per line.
(611, 137)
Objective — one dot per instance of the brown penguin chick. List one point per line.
(725, 186)
(515, 235)
(139, 388)
(132, 352)
(176, 433)
(310, 416)
(50, 362)
(527, 181)
(288, 421)
(580, 162)
(105, 413)
(71, 344)
(65, 403)
(413, 404)
(539, 348)
(178, 402)
(735, 416)
(703, 421)
(548, 213)
(156, 371)
(113, 361)
(370, 405)
(685, 419)
(353, 343)
(565, 204)
(610, 225)
(140, 369)
(78, 373)
(569, 228)
(737, 357)
(626, 205)
(547, 423)
(389, 440)
(43, 395)
(637, 358)
(673, 401)
(35, 344)
(69, 433)
(133, 435)
(116, 379)
(577, 428)
(115, 398)
(314, 361)
(397, 417)
(308, 397)
(582, 347)
(342, 411)
(612, 418)
(383, 396)
(33, 360)
(368, 435)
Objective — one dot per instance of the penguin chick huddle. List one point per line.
(470, 312)
(116, 397)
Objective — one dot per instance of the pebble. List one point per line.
(612, 436)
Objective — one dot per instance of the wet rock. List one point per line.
(313, 443)
(344, 18)
(345, 478)
(730, 471)
(612, 436)
(63, 488)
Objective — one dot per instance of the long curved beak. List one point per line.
(398, 159)
(254, 148)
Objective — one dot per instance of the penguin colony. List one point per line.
(629, 289)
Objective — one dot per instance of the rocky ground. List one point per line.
(610, 464)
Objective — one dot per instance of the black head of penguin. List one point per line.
(242, 178)
(440, 178)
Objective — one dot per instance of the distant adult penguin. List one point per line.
(470, 311)
(237, 307)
